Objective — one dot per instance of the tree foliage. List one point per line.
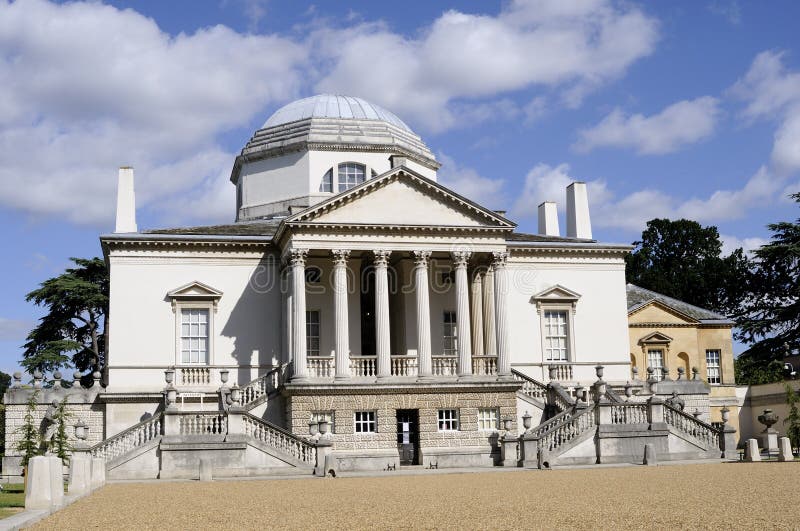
(769, 316)
(60, 442)
(683, 259)
(71, 333)
(29, 444)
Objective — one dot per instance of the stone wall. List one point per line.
(428, 402)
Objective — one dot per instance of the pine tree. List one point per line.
(793, 420)
(30, 440)
(60, 445)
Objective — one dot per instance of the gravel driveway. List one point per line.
(718, 496)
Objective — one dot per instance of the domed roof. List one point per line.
(333, 106)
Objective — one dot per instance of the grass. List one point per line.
(12, 499)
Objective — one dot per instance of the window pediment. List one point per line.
(557, 294)
(194, 291)
(656, 338)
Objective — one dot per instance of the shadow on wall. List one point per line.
(255, 320)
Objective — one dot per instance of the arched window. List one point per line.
(350, 175)
(327, 182)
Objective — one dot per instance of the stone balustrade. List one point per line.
(561, 371)
(364, 366)
(484, 365)
(628, 413)
(129, 439)
(444, 365)
(404, 365)
(203, 423)
(261, 386)
(280, 439)
(531, 387)
(567, 430)
(695, 428)
(194, 376)
(320, 366)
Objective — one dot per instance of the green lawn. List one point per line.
(11, 497)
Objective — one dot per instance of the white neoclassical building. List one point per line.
(353, 295)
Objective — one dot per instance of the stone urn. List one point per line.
(768, 418)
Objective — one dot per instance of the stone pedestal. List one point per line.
(80, 473)
(56, 480)
(205, 470)
(751, 451)
(324, 450)
(729, 443)
(769, 439)
(785, 449)
(509, 448)
(650, 455)
(39, 492)
(98, 472)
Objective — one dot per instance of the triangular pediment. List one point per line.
(557, 293)
(401, 197)
(195, 290)
(655, 338)
(655, 311)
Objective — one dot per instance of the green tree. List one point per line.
(5, 382)
(793, 419)
(769, 316)
(683, 259)
(30, 441)
(60, 443)
(72, 331)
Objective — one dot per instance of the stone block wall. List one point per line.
(343, 406)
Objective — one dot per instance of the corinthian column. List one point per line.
(297, 261)
(501, 287)
(382, 343)
(342, 360)
(421, 288)
(489, 331)
(476, 312)
(464, 338)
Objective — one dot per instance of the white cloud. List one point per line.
(14, 329)
(682, 123)
(772, 92)
(548, 183)
(467, 182)
(760, 190)
(731, 243)
(88, 87)
(464, 56)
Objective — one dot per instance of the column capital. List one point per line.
(297, 257)
(381, 257)
(461, 258)
(340, 256)
(499, 259)
(421, 257)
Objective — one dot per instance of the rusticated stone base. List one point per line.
(468, 446)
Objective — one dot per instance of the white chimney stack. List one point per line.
(548, 219)
(578, 223)
(126, 201)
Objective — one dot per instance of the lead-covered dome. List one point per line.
(333, 106)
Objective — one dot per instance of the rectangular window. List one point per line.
(487, 419)
(448, 420)
(365, 422)
(194, 335)
(312, 332)
(450, 334)
(655, 359)
(555, 335)
(713, 371)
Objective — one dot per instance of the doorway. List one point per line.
(408, 436)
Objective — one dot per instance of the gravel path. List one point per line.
(719, 496)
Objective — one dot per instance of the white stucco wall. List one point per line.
(600, 318)
(246, 330)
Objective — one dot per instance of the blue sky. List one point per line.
(667, 109)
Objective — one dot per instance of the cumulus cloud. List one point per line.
(469, 183)
(549, 183)
(773, 92)
(88, 87)
(748, 245)
(466, 56)
(682, 123)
